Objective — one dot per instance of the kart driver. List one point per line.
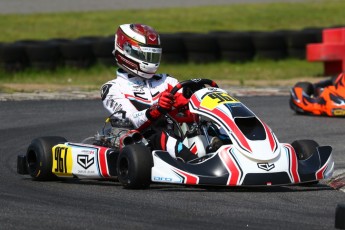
(140, 92)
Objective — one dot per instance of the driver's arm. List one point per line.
(114, 100)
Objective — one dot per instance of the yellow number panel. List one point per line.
(212, 100)
(62, 160)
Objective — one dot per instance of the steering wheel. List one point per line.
(193, 85)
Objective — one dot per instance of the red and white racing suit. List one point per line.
(135, 95)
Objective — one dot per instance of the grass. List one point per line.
(246, 74)
(250, 16)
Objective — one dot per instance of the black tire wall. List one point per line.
(230, 46)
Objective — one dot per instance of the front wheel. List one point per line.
(39, 157)
(134, 167)
(305, 148)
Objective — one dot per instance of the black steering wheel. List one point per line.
(193, 85)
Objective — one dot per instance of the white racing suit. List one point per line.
(135, 95)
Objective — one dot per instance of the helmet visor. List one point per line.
(144, 53)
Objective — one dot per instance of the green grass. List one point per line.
(244, 17)
(272, 72)
(263, 16)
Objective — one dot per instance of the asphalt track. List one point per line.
(72, 204)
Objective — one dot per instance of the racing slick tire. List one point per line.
(304, 148)
(307, 88)
(134, 167)
(39, 157)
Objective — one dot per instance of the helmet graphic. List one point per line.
(137, 49)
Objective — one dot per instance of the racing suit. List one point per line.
(135, 95)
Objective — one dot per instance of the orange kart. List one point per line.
(325, 98)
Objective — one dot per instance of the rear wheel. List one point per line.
(134, 167)
(39, 157)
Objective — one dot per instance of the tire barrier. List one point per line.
(270, 45)
(298, 40)
(174, 48)
(231, 46)
(102, 49)
(201, 48)
(13, 55)
(236, 46)
(45, 54)
(78, 53)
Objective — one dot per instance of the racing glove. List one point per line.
(164, 105)
(179, 100)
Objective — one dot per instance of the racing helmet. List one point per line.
(137, 49)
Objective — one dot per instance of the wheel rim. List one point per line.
(32, 161)
(123, 167)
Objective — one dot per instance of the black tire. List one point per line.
(14, 57)
(269, 41)
(134, 167)
(173, 48)
(103, 49)
(304, 148)
(43, 55)
(297, 53)
(271, 54)
(300, 39)
(270, 45)
(174, 57)
(201, 48)
(172, 43)
(103, 46)
(236, 42)
(237, 56)
(39, 157)
(78, 53)
(307, 87)
(201, 58)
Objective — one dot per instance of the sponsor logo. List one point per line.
(85, 161)
(138, 114)
(165, 179)
(266, 166)
(338, 112)
(105, 90)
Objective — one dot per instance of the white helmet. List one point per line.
(138, 49)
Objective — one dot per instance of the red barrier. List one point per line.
(331, 51)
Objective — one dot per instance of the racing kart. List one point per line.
(250, 153)
(322, 98)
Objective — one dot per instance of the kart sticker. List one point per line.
(212, 100)
(62, 160)
(338, 112)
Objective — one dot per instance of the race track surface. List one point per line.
(73, 204)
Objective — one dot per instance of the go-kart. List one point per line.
(250, 154)
(323, 98)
